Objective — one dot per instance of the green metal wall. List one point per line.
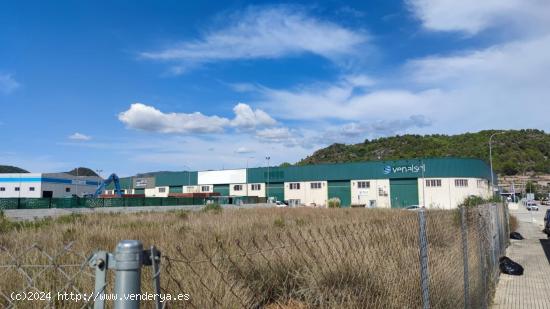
(403, 192)
(276, 190)
(125, 183)
(223, 190)
(341, 190)
(176, 178)
(439, 167)
(139, 191)
(175, 189)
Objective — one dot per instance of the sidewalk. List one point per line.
(532, 290)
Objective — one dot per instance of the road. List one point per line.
(31, 214)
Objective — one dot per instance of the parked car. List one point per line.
(532, 206)
(412, 207)
(280, 204)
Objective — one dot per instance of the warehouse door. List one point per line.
(175, 189)
(276, 190)
(341, 190)
(223, 190)
(403, 192)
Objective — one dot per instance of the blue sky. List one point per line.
(128, 87)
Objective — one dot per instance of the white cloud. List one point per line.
(8, 84)
(266, 33)
(473, 16)
(147, 118)
(346, 101)
(80, 137)
(274, 134)
(244, 150)
(247, 118)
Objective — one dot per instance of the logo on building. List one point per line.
(413, 168)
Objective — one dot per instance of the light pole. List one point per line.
(188, 176)
(491, 158)
(267, 186)
(246, 181)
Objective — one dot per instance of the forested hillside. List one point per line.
(514, 152)
(11, 169)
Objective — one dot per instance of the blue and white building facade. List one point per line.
(37, 185)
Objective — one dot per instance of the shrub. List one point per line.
(279, 222)
(212, 207)
(334, 202)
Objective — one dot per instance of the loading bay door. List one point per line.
(276, 190)
(403, 192)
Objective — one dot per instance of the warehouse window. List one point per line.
(363, 184)
(162, 190)
(2, 189)
(238, 187)
(256, 187)
(67, 190)
(16, 188)
(205, 188)
(433, 183)
(316, 185)
(461, 182)
(295, 186)
(31, 188)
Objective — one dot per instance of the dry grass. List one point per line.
(274, 258)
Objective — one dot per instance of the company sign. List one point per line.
(404, 169)
(148, 182)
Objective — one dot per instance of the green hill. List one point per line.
(514, 152)
(82, 171)
(11, 169)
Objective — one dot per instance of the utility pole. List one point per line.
(491, 159)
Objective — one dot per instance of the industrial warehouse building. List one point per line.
(36, 185)
(441, 182)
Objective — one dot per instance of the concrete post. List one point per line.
(129, 258)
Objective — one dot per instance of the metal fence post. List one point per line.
(424, 275)
(464, 229)
(482, 260)
(100, 261)
(128, 259)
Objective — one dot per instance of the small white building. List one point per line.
(23, 185)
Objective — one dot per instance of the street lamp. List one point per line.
(267, 186)
(246, 181)
(188, 175)
(491, 158)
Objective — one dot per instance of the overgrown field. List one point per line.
(275, 258)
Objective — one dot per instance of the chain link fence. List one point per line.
(417, 259)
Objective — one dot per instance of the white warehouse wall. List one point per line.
(379, 191)
(221, 177)
(306, 194)
(449, 196)
(9, 182)
(156, 191)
